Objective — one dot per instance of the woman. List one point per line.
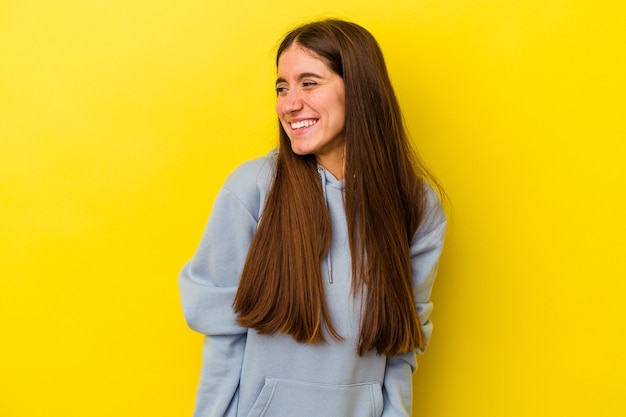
(313, 277)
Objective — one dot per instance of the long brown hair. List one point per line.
(281, 288)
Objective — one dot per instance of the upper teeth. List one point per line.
(303, 123)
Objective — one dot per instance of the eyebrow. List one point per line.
(300, 77)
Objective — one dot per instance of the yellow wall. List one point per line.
(120, 119)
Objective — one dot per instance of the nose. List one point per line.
(290, 102)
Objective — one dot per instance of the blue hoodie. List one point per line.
(245, 374)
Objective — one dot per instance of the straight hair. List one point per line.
(281, 287)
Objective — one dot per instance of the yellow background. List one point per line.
(120, 119)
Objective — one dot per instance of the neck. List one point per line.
(335, 164)
(337, 172)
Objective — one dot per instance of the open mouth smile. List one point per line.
(302, 123)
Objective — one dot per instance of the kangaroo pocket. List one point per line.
(284, 397)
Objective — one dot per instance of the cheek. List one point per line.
(340, 111)
(341, 102)
(284, 125)
(285, 128)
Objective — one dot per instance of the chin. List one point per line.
(300, 151)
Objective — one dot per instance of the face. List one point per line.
(311, 106)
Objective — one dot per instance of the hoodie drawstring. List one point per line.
(322, 176)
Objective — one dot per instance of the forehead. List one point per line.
(297, 59)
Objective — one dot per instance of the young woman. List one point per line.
(313, 277)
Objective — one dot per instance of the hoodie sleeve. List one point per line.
(208, 284)
(425, 250)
